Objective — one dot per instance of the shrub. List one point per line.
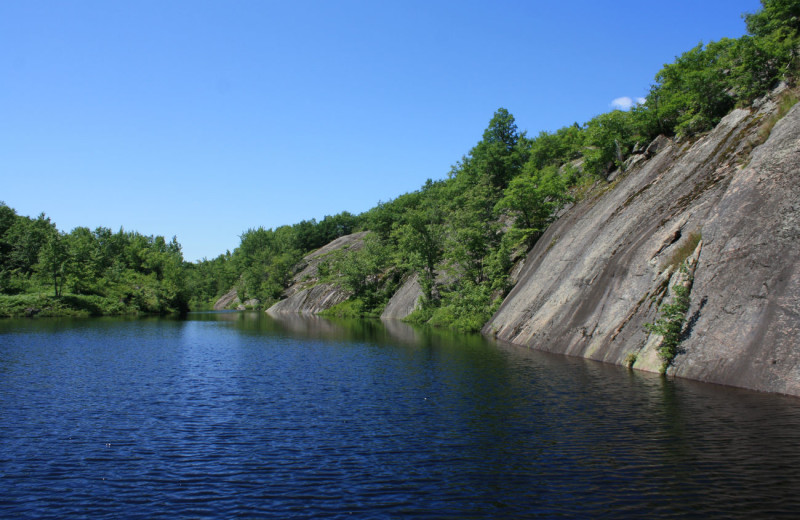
(670, 324)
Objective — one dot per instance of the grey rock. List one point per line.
(632, 161)
(308, 268)
(404, 301)
(598, 274)
(306, 295)
(311, 301)
(745, 309)
(658, 144)
(226, 300)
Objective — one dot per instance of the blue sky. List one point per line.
(202, 119)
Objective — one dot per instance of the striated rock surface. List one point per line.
(404, 301)
(306, 295)
(745, 313)
(307, 269)
(311, 301)
(599, 272)
(226, 300)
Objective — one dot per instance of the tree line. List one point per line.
(86, 271)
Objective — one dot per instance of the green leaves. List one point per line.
(775, 16)
(500, 155)
(533, 199)
(609, 139)
(672, 318)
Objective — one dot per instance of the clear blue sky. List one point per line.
(202, 119)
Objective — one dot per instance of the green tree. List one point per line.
(85, 270)
(609, 139)
(362, 272)
(556, 149)
(499, 156)
(472, 230)
(775, 16)
(533, 199)
(421, 238)
(54, 261)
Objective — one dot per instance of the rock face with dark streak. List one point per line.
(405, 301)
(745, 313)
(599, 272)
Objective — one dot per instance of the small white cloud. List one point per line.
(622, 103)
(625, 103)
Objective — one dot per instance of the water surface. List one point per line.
(237, 415)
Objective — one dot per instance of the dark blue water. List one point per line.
(241, 416)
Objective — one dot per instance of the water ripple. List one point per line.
(245, 419)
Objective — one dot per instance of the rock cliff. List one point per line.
(725, 204)
(306, 295)
(227, 300)
(600, 271)
(404, 301)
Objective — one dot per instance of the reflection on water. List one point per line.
(245, 415)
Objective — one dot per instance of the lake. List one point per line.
(239, 415)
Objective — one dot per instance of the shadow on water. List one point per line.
(339, 329)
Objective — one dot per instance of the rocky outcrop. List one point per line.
(745, 312)
(312, 300)
(226, 300)
(308, 268)
(405, 301)
(248, 304)
(306, 295)
(600, 271)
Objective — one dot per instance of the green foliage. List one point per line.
(23, 305)
(533, 198)
(266, 258)
(499, 156)
(351, 308)
(671, 320)
(555, 149)
(420, 237)
(207, 280)
(694, 92)
(466, 308)
(472, 232)
(785, 104)
(87, 273)
(364, 273)
(310, 234)
(776, 16)
(610, 138)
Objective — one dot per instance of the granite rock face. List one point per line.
(405, 301)
(311, 301)
(745, 313)
(306, 295)
(229, 298)
(307, 269)
(601, 270)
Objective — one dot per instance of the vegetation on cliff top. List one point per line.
(460, 235)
